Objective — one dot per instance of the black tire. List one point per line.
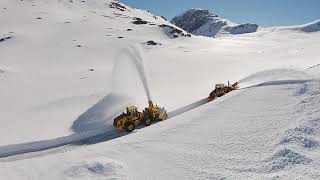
(129, 127)
(147, 122)
(158, 118)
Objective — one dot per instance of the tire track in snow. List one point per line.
(90, 137)
(108, 133)
(318, 65)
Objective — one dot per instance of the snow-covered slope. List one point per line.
(311, 27)
(202, 22)
(308, 28)
(270, 130)
(70, 68)
(60, 55)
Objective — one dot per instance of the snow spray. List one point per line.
(133, 59)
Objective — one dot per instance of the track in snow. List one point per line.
(318, 65)
(108, 132)
(90, 137)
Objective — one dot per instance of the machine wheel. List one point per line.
(164, 117)
(129, 127)
(147, 122)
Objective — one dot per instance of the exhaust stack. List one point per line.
(150, 103)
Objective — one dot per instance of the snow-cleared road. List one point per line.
(59, 71)
(108, 132)
(91, 137)
(263, 130)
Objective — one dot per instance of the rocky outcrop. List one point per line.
(202, 22)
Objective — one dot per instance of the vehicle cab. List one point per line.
(132, 112)
(219, 86)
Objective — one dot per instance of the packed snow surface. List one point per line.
(69, 68)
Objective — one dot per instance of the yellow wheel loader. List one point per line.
(222, 89)
(132, 118)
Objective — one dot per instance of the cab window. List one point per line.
(134, 113)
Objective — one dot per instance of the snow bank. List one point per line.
(295, 137)
(308, 28)
(314, 70)
(285, 158)
(304, 138)
(312, 27)
(275, 76)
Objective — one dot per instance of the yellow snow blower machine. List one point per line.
(132, 118)
(222, 89)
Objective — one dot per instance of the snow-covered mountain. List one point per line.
(67, 68)
(202, 22)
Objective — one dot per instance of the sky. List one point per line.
(265, 13)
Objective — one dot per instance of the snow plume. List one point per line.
(128, 65)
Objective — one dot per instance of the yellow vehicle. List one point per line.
(132, 118)
(222, 89)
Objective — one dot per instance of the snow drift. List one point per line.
(307, 28)
(311, 27)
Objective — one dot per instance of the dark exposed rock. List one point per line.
(242, 28)
(139, 21)
(129, 29)
(5, 38)
(193, 19)
(173, 32)
(117, 5)
(164, 18)
(121, 15)
(202, 22)
(151, 42)
(107, 16)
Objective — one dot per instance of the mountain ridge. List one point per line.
(204, 23)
